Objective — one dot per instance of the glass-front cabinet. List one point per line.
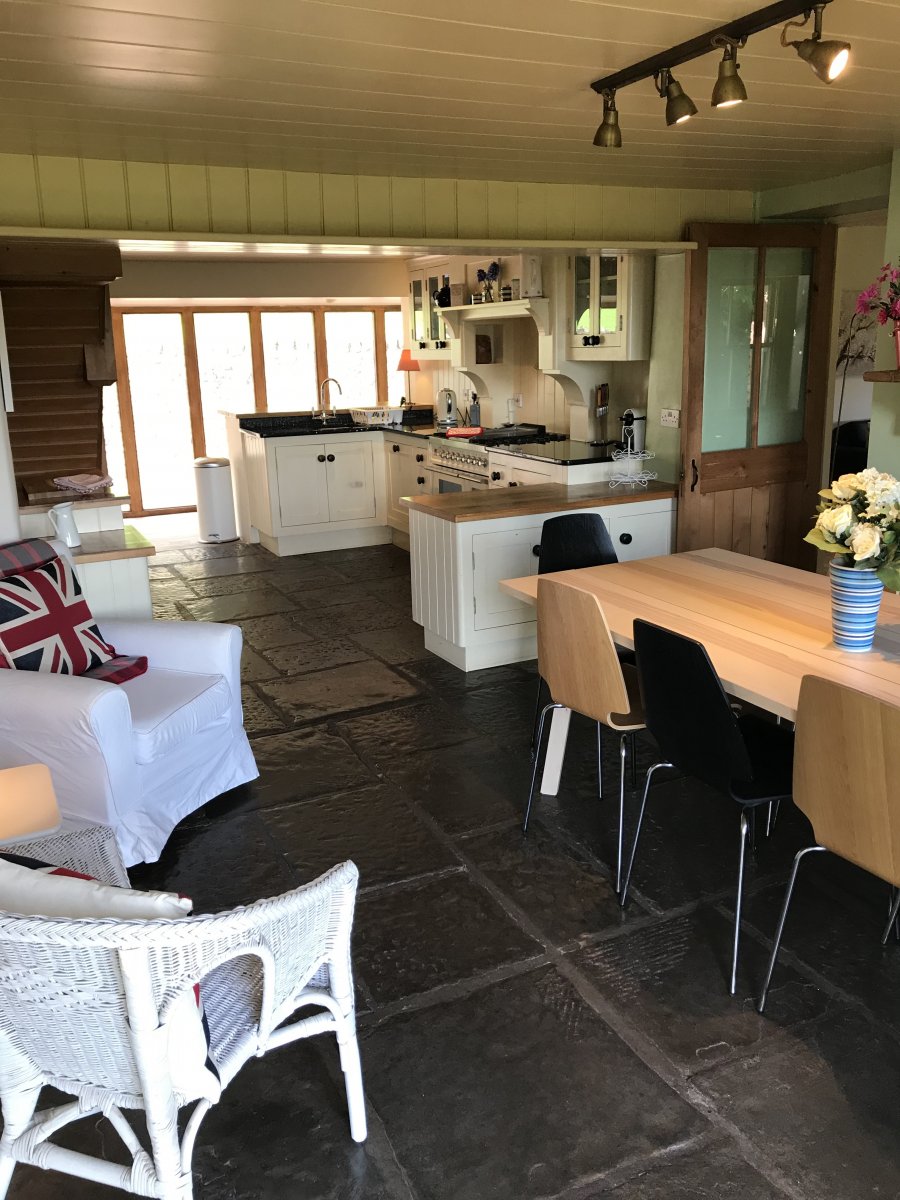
(427, 335)
(610, 302)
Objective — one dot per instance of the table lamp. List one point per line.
(27, 802)
(407, 363)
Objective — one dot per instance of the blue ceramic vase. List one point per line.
(855, 600)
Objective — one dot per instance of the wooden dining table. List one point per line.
(764, 626)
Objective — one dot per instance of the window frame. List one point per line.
(254, 312)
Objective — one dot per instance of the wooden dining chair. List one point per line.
(746, 759)
(577, 657)
(847, 782)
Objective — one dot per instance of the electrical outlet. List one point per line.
(670, 417)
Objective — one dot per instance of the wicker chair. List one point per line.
(84, 1005)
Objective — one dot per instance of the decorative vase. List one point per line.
(897, 342)
(855, 601)
(487, 293)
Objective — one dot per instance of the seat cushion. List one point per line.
(167, 707)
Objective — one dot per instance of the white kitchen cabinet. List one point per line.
(639, 535)
(427, 335)
(351, 482)
(407, 474)
(610, 301)
(302, 484)
(495, 556)
(523, 476)
(505, 470)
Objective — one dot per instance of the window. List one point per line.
(185, 367)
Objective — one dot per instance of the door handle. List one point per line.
(420, 458)
(695, 474)
(321, 457)
(396, 448)
(331, 458)
(421, 479)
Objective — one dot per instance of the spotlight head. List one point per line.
(679, 106)
(609, 135)
(729, 89)
(828, 59)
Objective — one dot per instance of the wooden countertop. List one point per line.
(113, 544)
(538, 498)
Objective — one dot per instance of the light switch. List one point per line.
(670, 417)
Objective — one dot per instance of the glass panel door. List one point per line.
(417, 310)
(225, 367)
(434, 283)
(154, 346)
(581, 295)
(784, 336)
(728, 361)
(289, 352)
(608, 294)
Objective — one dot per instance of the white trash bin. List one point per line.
(215, 501)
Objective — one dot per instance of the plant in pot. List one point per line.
(883, 299)
(858, 523)
(487, 279)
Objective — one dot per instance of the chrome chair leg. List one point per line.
(537, 761)
(623, 752)
(599, 760)
(892, 918)
(633, 756)
(745, 829)
(538, 704)
(623, 895)
(781, 920)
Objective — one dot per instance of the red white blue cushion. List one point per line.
(46, 623)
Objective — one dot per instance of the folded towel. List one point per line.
(83, 483)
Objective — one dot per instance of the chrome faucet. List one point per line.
(330, 379)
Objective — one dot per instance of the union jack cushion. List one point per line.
(46, 624)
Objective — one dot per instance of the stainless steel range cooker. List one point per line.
(457, 465)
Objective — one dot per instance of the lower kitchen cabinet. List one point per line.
(407, 474)
(503, 555)
(351, 482)
(324, 482)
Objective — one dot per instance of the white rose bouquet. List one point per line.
(859, 518)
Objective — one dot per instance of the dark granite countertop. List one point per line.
(566, 454)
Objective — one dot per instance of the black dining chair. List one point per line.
(745, 758)
(569, 543)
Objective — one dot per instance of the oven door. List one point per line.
(447, 482)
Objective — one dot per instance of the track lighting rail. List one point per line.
(735, 31)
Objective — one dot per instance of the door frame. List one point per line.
(788, 463)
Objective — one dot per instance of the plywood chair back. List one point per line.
(576, 653)
(847, 774)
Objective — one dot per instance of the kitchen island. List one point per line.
(463, 545)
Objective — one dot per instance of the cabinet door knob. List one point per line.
(596, 340)
(586, 340)
(420, 458)
(321, 457)
(331, 458)
(513, 485)
(626, 539)
(421, 479)
(396, 449)
(536, 550)
(495, 475)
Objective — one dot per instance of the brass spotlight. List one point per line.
(827, 59)
(729, 89)
(679, 106)
(609, 134)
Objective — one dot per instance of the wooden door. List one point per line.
(758, 327)
(302, 484)
(351, 481)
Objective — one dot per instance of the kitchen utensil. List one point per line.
(475, 410)
(62, 518)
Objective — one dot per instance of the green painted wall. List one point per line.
(884, 438)
(38, 192)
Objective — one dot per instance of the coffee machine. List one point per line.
(634, 429)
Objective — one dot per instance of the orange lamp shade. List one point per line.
(27, 801)
(407, 362)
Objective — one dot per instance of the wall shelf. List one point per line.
(882, 376)
(538, 308)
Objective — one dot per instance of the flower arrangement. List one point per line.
(885, 305)
(491, 275)
(859, 518)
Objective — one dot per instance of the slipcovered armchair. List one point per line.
(138, 756)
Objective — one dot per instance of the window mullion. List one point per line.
(381, 383)
(321, 353)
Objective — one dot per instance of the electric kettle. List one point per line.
(448, 413)
(62, 518)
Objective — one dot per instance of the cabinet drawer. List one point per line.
(643, 535)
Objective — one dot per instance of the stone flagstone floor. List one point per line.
(521, 1038)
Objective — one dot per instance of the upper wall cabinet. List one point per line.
(427, 335)
(610, 306)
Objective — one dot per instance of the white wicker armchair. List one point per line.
(84, 1006)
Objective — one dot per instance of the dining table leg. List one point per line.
(556, 751)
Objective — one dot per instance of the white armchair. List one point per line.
(85, 1006)
(139, 756)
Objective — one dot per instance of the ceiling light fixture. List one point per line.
(609, 134)
(679, 106)
(827, 59)
(729, 89)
